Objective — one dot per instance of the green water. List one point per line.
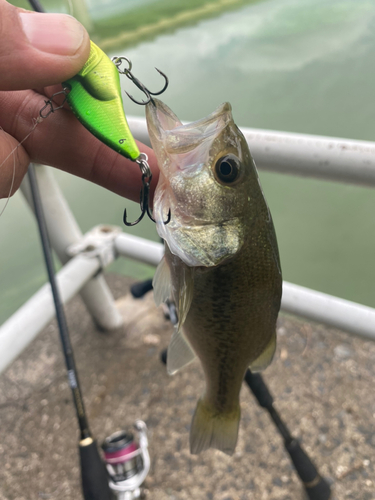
(294, 65)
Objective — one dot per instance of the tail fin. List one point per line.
(210, 429)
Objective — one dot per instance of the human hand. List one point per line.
(38, 51)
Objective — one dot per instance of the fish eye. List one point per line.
(227, 168)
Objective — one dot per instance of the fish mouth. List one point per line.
(187, 186)
(165, 128)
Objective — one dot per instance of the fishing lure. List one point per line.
(94, 95)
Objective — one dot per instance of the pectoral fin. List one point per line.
(162, 282)
(181, 292)
(185, 292)
(266, 357)
(179, 353)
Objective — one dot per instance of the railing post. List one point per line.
(64, 231)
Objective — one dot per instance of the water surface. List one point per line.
(295, 65)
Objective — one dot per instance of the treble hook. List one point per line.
(137, 83)
(145, 90)
(145, 193)
(144, 204)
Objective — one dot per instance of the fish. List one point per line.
(221, 265)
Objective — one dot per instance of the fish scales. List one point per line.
(220, 306)
(221, 264)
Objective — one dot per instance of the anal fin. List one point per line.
(266, 357)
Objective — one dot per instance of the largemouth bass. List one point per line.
(221, 265)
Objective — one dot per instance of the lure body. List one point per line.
(95, 99)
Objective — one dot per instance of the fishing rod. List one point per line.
(36, 5)
(126, 458)
(316, 487)
(94, 477)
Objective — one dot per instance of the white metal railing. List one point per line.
(25, 324)
(320, 157)
(64, 231)
(328, 158)
(30, 319)
(317, 306)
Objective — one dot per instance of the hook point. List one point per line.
(141, 103)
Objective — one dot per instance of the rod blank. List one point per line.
(315, 486)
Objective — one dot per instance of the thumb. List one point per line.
(37, 50)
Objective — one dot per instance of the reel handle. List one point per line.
(94, 476)
(317, 488)
(138, 290)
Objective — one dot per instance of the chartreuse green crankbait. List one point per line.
(95, 98)
(94, 95)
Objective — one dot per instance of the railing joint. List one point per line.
(97, 243)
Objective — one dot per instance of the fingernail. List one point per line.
(58, 34)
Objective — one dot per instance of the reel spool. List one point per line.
(127, 461)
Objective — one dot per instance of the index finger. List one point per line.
(62, 142)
